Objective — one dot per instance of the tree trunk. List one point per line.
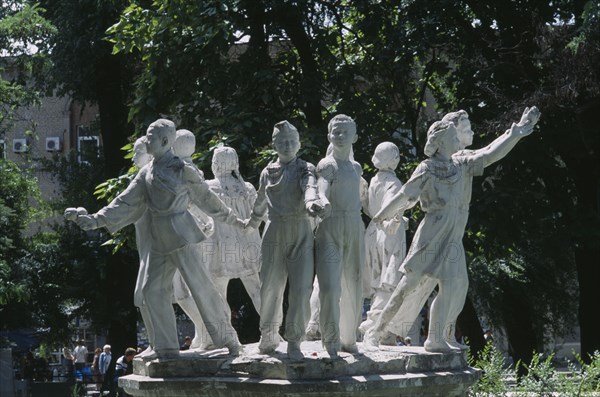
(113, 113)
(587, 253)
(522, 341)
(468, 324)
(584, 163)
(588, 273)
(122, 331)
(122, 268)
(310, 89)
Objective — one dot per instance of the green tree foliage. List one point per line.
(16, 190)
(542, 379)
(22, 30)
(249, 64)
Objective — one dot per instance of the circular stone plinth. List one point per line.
(391, 371)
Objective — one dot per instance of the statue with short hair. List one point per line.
(442, 184)
(339, 239)
(166, 188)
(385, 242)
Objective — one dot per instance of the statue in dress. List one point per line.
(385, 242)
(164, 189)
(287, 196)
(230, 252)
(442, 184)
(233, 253)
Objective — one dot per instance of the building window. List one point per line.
(2, 149)
(88, 146)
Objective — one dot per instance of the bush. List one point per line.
(541, 379)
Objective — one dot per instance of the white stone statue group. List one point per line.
(194, 235)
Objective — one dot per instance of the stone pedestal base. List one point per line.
(392, 371)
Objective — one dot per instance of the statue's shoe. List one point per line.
(332, 349)
(437, 347)
(148, 352)
(351, 348)
(235, 347)
(371, 340)
(365, 326)
(454, 345)
(205, 346)
(294, 352)
(165, 354)
(267, 345)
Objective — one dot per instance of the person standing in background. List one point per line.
(80, 352)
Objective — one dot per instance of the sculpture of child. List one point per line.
(165, 187)
(184, 147)
(339, 240)
(233, 253)
(442, 184)
(287, 195)
(385, 243)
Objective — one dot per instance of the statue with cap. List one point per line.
(286, 199)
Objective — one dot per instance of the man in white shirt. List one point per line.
(80, 353)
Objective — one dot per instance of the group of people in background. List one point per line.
(106, 368)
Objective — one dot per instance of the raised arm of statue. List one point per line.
(502, 145)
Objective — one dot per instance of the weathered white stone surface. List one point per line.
(391, 371)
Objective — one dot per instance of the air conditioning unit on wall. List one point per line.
(53, 144)
(20, 145)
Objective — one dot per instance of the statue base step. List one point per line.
(392, 371)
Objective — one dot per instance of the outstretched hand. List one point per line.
(530, 115)
(529, 119)
(72, 213)
(80, 216)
